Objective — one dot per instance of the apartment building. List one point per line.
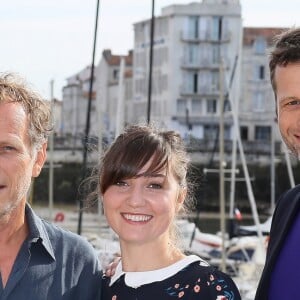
(196, 47)
(190, 41)
(114, 91)
(75, 103)
(257, 103)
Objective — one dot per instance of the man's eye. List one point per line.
(7, 148)
(294, 102)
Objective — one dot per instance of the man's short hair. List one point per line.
(286, 50)
(13, 88)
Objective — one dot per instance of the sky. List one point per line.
(51, 40)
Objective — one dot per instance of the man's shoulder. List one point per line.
(295, 189)
(70, 247)
(291, 194)
(45, 229)
(59, 242)
(58, 233)
(287, 206)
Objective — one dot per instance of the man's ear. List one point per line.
(39, 160)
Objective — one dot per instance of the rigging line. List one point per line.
(226, 99)
(87, 127)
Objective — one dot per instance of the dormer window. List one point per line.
(260, 45)
(115, 74)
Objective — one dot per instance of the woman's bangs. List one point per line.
(159, 161)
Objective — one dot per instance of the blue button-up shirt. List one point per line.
(53, 264)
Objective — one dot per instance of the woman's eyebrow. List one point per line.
(148, 174)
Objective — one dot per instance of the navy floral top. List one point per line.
(190, 278)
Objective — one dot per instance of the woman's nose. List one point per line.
(136, 197)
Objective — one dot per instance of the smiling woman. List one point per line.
(143, 185)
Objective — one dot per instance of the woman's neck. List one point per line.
(138, 258)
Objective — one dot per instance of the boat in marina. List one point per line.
(247, 230)
(245, 255)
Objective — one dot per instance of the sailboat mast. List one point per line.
(221, 169)
(150, 65)
(87, 125)
(120, 105)
(51, 150)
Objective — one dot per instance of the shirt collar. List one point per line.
(136, 279)
(37, 230)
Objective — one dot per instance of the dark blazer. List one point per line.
(286, 211)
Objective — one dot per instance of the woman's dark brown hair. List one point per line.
(135, 147)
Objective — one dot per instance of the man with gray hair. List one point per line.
(37, 259)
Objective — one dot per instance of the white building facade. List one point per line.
(114, 91)
(257, 102)
(75, 104)
(201, 52)
(189, 43)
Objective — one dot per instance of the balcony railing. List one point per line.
(211, 89)
(193, 145)
(205, 36)
(258, 147)
(199, 63)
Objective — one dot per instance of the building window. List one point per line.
(193, 54)
(211, 106)
(227, 106)
(216, 54)
(203, 31)
(195, 83)
(263, 133)
(187, 119)
(196, 106)
(260, 45)
(258, 101)
(181, 106)
(194, 27)
(215, 79)
(227, 131)
(204, 82)
(211, 132)
(115, 74)
(217, 29)
(261, 72)
(244, 133)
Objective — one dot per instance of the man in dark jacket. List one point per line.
(280, 278)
